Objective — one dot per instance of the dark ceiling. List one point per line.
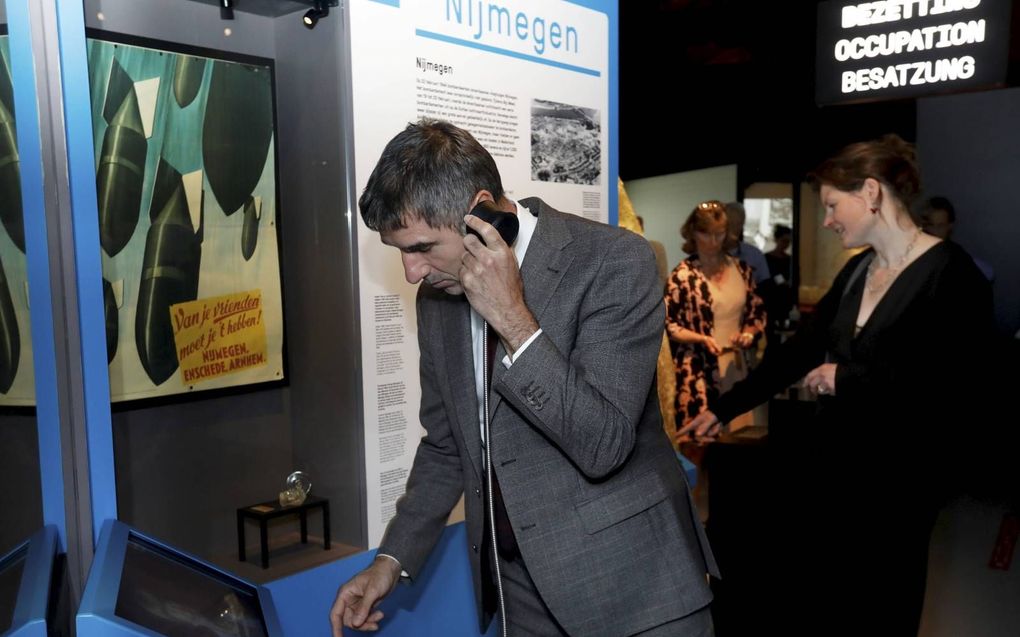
(712, 82)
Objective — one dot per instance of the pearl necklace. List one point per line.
(876, 283)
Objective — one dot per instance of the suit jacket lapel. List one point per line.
(460, 368)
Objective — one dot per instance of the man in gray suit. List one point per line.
(591, 530)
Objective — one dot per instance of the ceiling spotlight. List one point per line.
(226, 9)
(320, 9)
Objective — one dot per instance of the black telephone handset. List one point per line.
(505, 223)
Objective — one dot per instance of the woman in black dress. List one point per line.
(895, 352)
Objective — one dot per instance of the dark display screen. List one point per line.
(10, 583)
(174, 595)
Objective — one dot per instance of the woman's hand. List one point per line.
(822, 380)
(743, 340)
(704, 428)
(710, 344)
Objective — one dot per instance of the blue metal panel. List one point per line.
(88, 260)
(34, 592)
(613, 11)
(33, 201)
(96, 617)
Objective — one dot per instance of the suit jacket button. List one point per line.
(474, 547)
(478, 492)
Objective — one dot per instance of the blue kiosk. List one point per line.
(28, 574)
(141, 586)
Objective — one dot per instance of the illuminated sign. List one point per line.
(906, 48)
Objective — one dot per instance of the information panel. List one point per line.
(531, 80)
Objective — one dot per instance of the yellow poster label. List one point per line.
(219, 335)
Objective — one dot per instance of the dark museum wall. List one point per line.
(969, 147)
(323, 340)
(19, 474)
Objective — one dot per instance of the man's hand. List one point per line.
(357, 598)
(492, 282)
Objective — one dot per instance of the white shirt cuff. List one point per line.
(510, 360)
(403, 573)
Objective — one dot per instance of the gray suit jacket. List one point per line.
(599, 504)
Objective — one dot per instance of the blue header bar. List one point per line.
(513, 54)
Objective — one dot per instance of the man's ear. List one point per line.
(484, 195)
(480, 196)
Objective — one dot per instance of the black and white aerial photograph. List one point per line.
(565, 143)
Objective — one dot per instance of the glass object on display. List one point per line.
(298, 488)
